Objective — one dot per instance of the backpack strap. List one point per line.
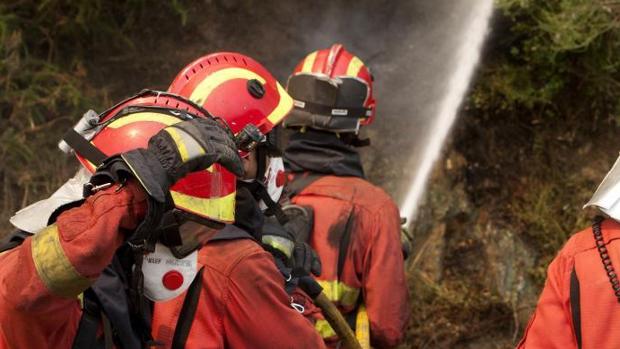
(343, 246)
(92, 316)
(188, 312)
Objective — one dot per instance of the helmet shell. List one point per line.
(235, 88)
(130, 124)
(334, 63)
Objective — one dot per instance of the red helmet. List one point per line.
(236, 88)
(332, 90)
(131, 123)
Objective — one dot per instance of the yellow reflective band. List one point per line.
(309, 62)
(354, 66)
(324, 329)
(279, 243)
(53, 266)
(284, 106)
(176, 137)
(340, 293)
(221, 209)
(362, 327)
(188, 147)
(206, 87)
(145, 116)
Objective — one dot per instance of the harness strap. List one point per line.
(343, 247)
(575, 306)
(83, 147)
(188, 311)
(86, 336)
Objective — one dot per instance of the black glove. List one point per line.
(305, 261)
(172, 153)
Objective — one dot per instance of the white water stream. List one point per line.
(467, 57)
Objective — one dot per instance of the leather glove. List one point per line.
(173, 153)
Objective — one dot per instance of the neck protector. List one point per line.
(322, 152)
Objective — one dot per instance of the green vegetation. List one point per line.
(44, 83)
(552, 80)
(539, 132)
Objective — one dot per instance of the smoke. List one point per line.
(412, 47)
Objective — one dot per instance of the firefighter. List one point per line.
(578, 307)
(356, 225)
(129, 266)
(259, 191)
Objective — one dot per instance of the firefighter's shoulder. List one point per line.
(590, 237)
(352, 189)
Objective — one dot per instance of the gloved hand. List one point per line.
(305, 261)
(173, 153)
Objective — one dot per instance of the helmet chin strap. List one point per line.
(260, 193)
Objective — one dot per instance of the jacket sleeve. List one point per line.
(384, 283)
(50, 269)
(551, 326)
(258, 310)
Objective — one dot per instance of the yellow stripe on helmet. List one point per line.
(309, 63)
(53, 266)
(340, 293)
(206, 87)
(221, 209)
(354, 66)
(144, 116)
(284, 106)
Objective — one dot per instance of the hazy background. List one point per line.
(537, 131)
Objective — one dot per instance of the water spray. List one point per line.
(467, 58)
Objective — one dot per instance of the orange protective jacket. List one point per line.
(577, 307)
(242, 303)
(372, 287)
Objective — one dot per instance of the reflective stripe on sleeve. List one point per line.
(279, 243)
(362, 327)
(324, 329)
(53, 266)
(340, 293)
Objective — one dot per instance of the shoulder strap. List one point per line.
(575, 306)
(86, 336)
(188, 312)
(343, 247)
(301, 182)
